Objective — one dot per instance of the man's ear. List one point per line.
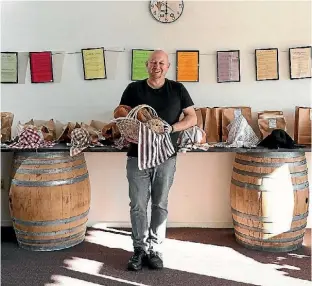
(168, 65)
(146, 63)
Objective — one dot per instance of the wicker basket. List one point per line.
(129, 125)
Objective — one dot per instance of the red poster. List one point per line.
(41, 67)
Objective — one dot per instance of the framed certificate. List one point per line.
(228, 66)
(267, 67)
(93, 60)
(187, 65)
(9, 67)
(300, 62)
(138, 64)
(41, 67)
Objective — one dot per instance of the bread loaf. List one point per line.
(144, 115)
(121, 111)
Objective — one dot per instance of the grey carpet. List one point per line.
(26, 268)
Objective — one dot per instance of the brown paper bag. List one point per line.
(199, 116)
(302, 132)
(47, 128)
(66, 131)
(20, 127)
(98, 125)
(266, 126)
(269, 120)
(212, 117)
(6, 126)
(230, 113)
(94, 134)
(270, 114)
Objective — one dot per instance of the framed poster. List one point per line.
(228, 66)
(187, 62)
(93, 61)
(138, 64)
(267, 67)
(300, 62)
(9, 67)
(41, 67)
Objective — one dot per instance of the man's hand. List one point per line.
(168, 129)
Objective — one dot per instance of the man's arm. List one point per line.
(189, 120)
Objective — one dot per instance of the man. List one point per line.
(169, 99)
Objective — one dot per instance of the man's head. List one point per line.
(158, 64)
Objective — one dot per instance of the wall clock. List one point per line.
(166, 11)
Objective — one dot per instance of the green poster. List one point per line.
(9, 64)
(139, 58)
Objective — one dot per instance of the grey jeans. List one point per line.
(153, 183)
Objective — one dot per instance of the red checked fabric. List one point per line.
(31, 139)
(79, 141)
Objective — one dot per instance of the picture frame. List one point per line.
(90, 75)
(15, 81)
(228, 76)
(138, 65)
(293, 65)
(267, 55)
(50, 79)
(183, 78)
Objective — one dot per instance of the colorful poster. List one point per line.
(138, 66)
(300, 62)
(228, 66)
(93, 63)
(187, 66)
(267, 64)
(41, 69)
(9, 67)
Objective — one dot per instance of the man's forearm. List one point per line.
(187, 122)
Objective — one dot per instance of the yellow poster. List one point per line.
(188, 66)
(94, 63)
(267, 64)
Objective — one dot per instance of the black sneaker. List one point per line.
(155, 260)
(137, 259)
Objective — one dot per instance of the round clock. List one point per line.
(166, 11)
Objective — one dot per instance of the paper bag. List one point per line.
(65, 136)
(270, 113)
(302, 132)
(212, 118)
(230, 113)
(20, 127)
(267, 125)
(47, 128)
(94, 134)
(6, 126)
(199, 116)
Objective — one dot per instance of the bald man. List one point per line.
(169, 99)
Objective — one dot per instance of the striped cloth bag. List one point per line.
(153, 148)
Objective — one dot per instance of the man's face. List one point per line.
(158, 65)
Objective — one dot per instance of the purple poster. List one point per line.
(228, 66)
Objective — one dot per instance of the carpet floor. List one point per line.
(192, 256)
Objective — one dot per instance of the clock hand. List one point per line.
(166, 8)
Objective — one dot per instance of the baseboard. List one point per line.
(125, 224)
(169, 224)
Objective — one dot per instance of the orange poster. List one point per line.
(187, 65)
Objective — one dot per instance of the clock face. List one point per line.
(166, 11)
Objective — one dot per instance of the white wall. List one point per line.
(200, 195)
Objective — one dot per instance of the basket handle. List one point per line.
(133, 113)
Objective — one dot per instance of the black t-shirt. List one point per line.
(168, 101)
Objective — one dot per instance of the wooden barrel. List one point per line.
(270, 200)
(49, 200)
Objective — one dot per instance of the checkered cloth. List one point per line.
(31, 138)
(190, 139)
(79, 141)
(240, 135)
